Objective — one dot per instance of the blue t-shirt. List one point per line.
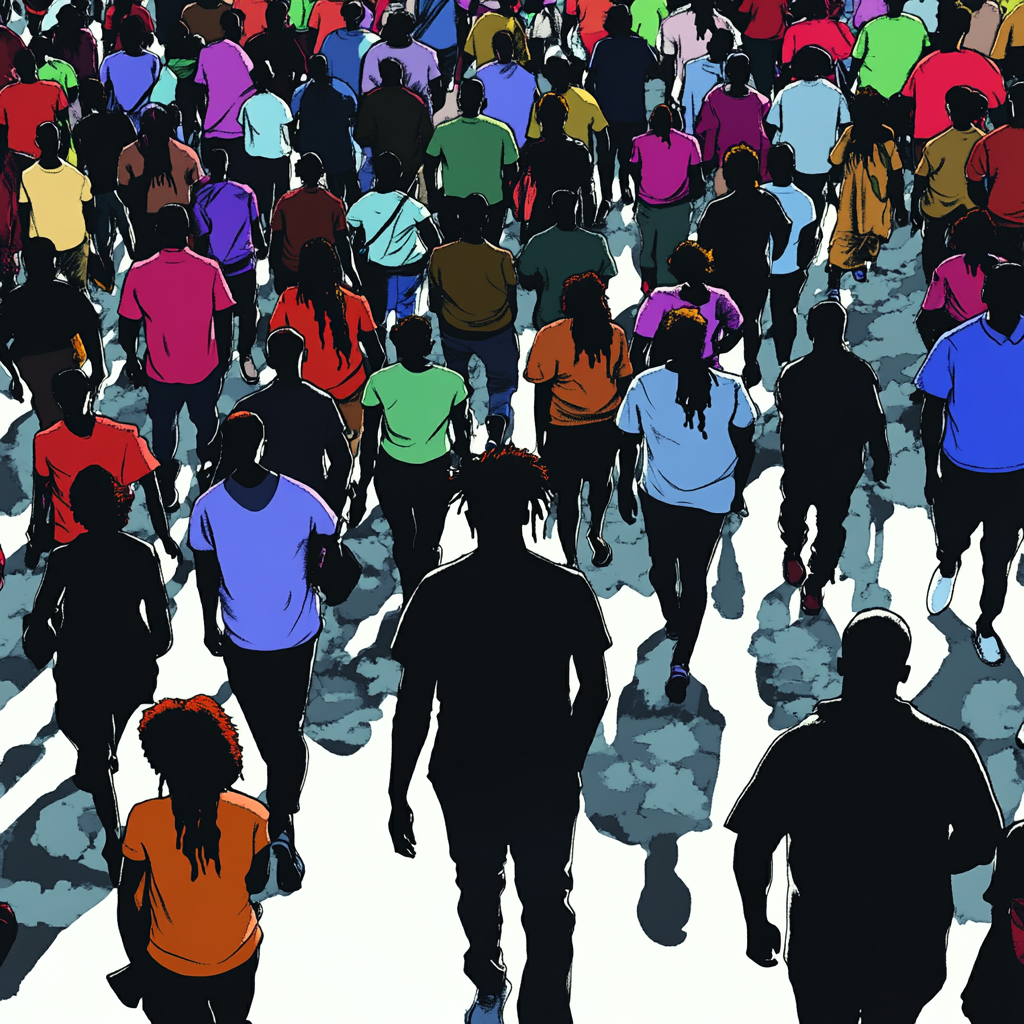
(680, 466)
(326, 118)
(344, 51)
(979, 373)
(510, 91)
(702, 75)
(435, 24)
(226, 211)
(799, 208)
(621, 65)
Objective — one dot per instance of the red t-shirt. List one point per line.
(767, 18)
(340, 376)
(591, 14)
(24, 106)
(835, 38)
(999, 156)
(60, 455)
(136, 11)
(304, 214)
(936, 74)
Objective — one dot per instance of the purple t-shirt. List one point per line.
(266, 600)
(224, 69)
(725, 121)
(665, 167)
(720, 312)
(867, 10)
(226, 211)
(419, 61)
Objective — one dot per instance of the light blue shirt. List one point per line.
(702, 75)
(808, 116)
(265, 119)
(799, 208)
(344, 51)
(980, 374)
(680, 466)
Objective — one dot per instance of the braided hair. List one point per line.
(501, 482)
(320, 287)
(585, 304)
(661, 123)
(682, 332)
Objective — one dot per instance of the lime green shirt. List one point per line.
(1008, 5)
(299, 12)
(647, 18)
(889, 47)
(416, 410)
(61, 72)
(473, 151)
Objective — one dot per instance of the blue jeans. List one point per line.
(388, 288)
(500, 355)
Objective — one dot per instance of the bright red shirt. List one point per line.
(834, 37)
(24, 106)
(999, 156)
(936, 74)
(767, 18)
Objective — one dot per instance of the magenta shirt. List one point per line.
(224, 69)
(725, 121)
(665, 167)
(956, 290)
(720, 312)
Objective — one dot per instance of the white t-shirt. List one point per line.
(808, 116)
(266, 600)
(799, 208)
(681, 467)
(265, 119)
(399, 244)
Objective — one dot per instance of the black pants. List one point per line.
(172, 998)
(243, 291)
(165, 404)
(967, 500)
(536, 824)
(186, 95)
(269, 179)
(749, 293)
(620, 136)
(448, 218)
(681, 542)
(238, 159)
(784, 290)
(345, 186)
(272, 688)
(814, 186)
(764, 55)
(414, 499)
(829, 489)
(933, 240)
(143, 225)
(111, 216)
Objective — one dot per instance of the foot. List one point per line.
(248, 370)
(671, 632)
(940, 591)
(489, 1009)
(627, 195)
(793, 571)
(496, 426)
(678, 681)
(602, 213)
(989, 648)
(751, 374)
(290, 867)
(833, 294)
(811, 599)
(601, 551)
(860, 274)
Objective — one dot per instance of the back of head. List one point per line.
(98, 502)
(231, 25)
(552, 111)
(965, 105)
(505, 487)
(720, 45)
(218, 163)
(90, 93)
(875, 648)
(473, 214)
(48, 138)
(353, 13)
(284, 348)
(412, 337)
(584, 303)
(40, 259)
(954, 22)
(737, 68)
(471, 97)
(310, 169)
(565, 205)
(661, 122)
(398, 27)
(826, 325)
(974, 234)
(690, 263)
(1003, 291)
(262, 75)
(781, 163)
(172, 226)
(557, 71)
(41, 47)
(741, 168)
(242, 436)
(503, 46)
(618, 21)
(133, 32)
(681, 337)
(391, 71)
(70, 390)
(318, 68)
(25, 65)
(895, 7)
(811, 63)
(193, 746)
(277, 15)
(387, 169)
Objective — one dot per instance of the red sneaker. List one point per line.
(793, 571)
(811, 601)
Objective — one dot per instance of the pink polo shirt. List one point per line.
(956, 290)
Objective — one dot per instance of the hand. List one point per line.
(214, 640)
(172, 549)
(627, 504)
(931, 486)
(263, 253)
(356, 506)
(916, 220)
(134, 372)
(762, 941)
(17, 389)
(32, 554)
(739, 506)
(400, 827)
(880, 471)
(900, 217)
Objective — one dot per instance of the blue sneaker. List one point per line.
(489, 1009)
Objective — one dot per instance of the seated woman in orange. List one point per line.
(339, 330)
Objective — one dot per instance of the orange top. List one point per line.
(204, 927)
(582, 393)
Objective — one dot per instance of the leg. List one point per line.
(376, 284)
(750, 296)
(831, 499)
(647, 225)
(430, 501)
(74, 265)
(457, 355)
(202, 410)
(604, 448)
(956, 514)
(38, 373)
(570, 491)
(663, 542)
(495, 222)
(105, 221)
(392, 480)
(796, 500)
(352, 413)
(701, 535)
(500, 356)
(405, 288)
(171, 998)
(165, 403)
(243, 291)
(231, 994)
(814, 186)
(785, 294)
(999, 544)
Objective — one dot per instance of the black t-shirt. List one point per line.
(620, 65)
(281, 50)
(45, 317)
(556, 164)
(500, 642)
(325, 117)
(739, 227)
(99, 139)
(300, 421)
(395, 120)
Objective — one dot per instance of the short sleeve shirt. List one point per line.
(473, 152)
(956, 289)
(474, 282)
(56, 196)
(23, 107)
(665, 167)
(585, 116)
(944, 165)
(889, 48)
(397, 244)
(937, 74)
(265, 120)
(224, 68)
(998, 158)
(305, 214)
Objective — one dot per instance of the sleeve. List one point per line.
(527, 259)
(261, 831)
(572, 8)
(532, 129)
(124, 175)
(420, 638)
(508, 270)
(279, 318)
(977, 163)
(40, 463)
(296, 100)
(22, 193)
(201, 215)
(366, 322)
(774, 115)
(860, 47)
(133, 845)
(764, 806)
(60, 101)
(137, 460)
(587, 632)
(434, 270)
(729, 312)
(838, 154)
(844, 48)
(788, 46)
(470, 46)
(509, 149)
(321, 519)
(1002, 43)
(648, 319)
(433, 68)
(540, 364)
(745, 412)
(460, 392)
(844, 110)
(434, 145)
(222, 298)
(597, 119)
(910, 86)
(370, 397)
(936, 375)
(142, 13)
(628, 417)
(201, 76)
(200, 529)
(996, 87)
(277, 220)
(86, 193)
(935, 297)
(895, 161)
(129, 306)
(706, 128)
(623, 366)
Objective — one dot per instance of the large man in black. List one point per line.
(881, 805)
(829, 410)
(494, 633)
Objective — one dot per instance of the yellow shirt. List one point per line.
(1011, 33)
(584, 116)
(943, 163)
(479, 42)
(56, 197)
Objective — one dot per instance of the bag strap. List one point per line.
(389, 221)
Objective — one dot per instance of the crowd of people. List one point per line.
(151, 154)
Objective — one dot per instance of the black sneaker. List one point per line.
(290, 867)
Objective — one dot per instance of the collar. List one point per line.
(1000, 339)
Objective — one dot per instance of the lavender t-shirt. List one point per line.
(720, 312)
(665, 167)
(510, 91)
(419, 61)
(224, 69)
(266, 600)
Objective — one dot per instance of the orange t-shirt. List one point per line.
(328, 369)
(325, 18)
(208, 926)
(581, 393)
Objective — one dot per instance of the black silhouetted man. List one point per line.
(829, 410)
(510, 745)
(881, 805)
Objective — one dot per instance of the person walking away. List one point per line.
(762, 40)
(815, 28)
(581, 367)
(130, 73)
(188, 344)
(72, 42)
(11, 238)
(203, 19)
(278, 46)
(823, 468)
(410, 407)
(28, 103)
(345, 47)
(804, 789)
(701, 75)
(181, 51)
(72, 614)
(510, 89)
(422, 73)
(435, 27)
(266, 121)
(697, 428)
(114, 20)
(472, 292)
(974, 449)
(686, 35)
(195, 949)
(479, 48)
(526, 704)
(270, 610)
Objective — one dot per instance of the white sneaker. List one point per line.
(988, 648)
(489, 1009)
(940, 591)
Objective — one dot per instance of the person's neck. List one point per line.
(80, 424)
(554, 133)
(415, 364)
(252, 474)
(311, 186)
(218, 179)
(400, 44)
(500, 544)
(50, 161)
(1003, 323)
(29, 81)
(470, 115)
(567, 225)
(135, 51)
(473, 238)
(178, 246)
(737, 89)
(289, 378)
(782, 182)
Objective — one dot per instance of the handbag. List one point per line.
(334, 571)
(524, 197)
(363, 252)
(100, 271)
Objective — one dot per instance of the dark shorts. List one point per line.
(581, 452)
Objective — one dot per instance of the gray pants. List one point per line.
(111, 215)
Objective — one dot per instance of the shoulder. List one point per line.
(246, 803)
(209, 500)
(115, 427)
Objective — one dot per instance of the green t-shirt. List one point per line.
(298, 14)
(473, 151)
(417, 407)
(647, 18)
(889, 47)
(60, 71)
(557, 255)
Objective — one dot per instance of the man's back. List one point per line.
(44, 316)
(99, 139)
(473, 279)
(738, 228)
(225, 212)
(344, 50)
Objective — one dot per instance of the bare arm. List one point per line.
(158, 612)
(461, 428)
(752, 866)
(132, 923)
(933, 429)
(629, 448)
(589, 705)
(743, 441)
(208, 580)
(408, 734)
(128, 339)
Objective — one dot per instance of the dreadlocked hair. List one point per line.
(501, 482)
(585, 304)
(193, 746)
(869, 131)
(661, 123)
(320, 287)
(155, 130)
(704, 17)
(682, 333)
